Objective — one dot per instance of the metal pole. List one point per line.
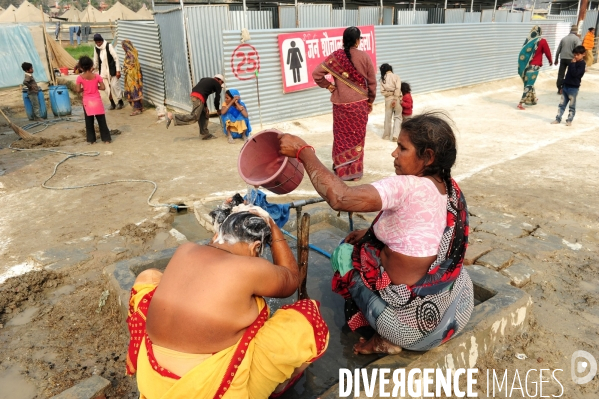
(296, 15)
(245, 16)
(494, 8)
(513, 1)
(187, 44)
(532, 13)
(381, 14)
(471, 5)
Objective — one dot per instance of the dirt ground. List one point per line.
(55, 333)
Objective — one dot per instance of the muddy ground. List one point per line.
(54, 333)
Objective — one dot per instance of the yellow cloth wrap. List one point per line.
(284, 343)
(237, 126)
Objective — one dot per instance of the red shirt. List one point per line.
(542, 48)
(406, 104)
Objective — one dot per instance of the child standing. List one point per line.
(571, 86)
(89, 82)
(32, 90)
(406, 101)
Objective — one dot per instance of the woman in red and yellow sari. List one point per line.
(352, 95)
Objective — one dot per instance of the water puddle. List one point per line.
(23, 318)
(187, 224)
(55, 295)
(14, 386)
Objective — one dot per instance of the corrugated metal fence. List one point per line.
(342, 18)
(145, 37)
(369, 15)
(315, 15)
(590, 21)
(436, 15)
(501, 15)
(486, 16)
(286, 17)
(175, 61)
(255, 20)
(455, 15)
(471, 17)
(406, 17)
(497, 44)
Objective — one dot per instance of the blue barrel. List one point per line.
(60, 100)
(29, 107)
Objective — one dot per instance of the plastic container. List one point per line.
(29, 107)
(260, 164)
(64, 70)
(60, 100)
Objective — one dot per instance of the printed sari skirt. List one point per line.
(349, 131)
(529, 96)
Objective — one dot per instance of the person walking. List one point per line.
(571, 86)
(391, 90)
(352, 95)
(199, 111)
(133, 78)
(106, 61)
(589, 44)
(530, 61)
(89, 83)
(564, 51)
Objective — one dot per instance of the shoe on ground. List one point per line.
(556, 122)
(568, 123)
(520, 107)
(209, 137)
(120, 106)
(386, 138)
(112, 107)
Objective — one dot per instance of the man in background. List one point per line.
(106, 62)
(564, 51)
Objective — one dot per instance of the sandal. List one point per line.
(136, 112)
(521, 107)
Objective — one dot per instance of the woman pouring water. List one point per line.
(402, 279)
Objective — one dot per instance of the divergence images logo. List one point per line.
(579, 365)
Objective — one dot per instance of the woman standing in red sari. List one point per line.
(352, 96)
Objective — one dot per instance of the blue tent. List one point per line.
(16, 47)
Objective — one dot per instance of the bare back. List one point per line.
(204, 301)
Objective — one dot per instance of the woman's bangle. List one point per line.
(300, 150)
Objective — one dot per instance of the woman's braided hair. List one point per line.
(432, 130)
(350, 37)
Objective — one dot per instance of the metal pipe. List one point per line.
(414, 13)
(471, 5)
(311, 246)
(494, 9)
(300, 203)
(245, 16)
(296, 15)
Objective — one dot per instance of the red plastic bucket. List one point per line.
(64, 70)
(260, 164)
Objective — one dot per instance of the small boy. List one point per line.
(32, 89)
(571, 85)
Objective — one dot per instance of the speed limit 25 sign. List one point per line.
(245, 61)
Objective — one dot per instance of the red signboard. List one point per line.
(301, 52)
(245, 61)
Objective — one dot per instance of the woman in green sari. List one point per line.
(530, 61)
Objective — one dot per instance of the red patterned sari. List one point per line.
(349, 120)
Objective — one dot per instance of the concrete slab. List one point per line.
(497, 259)
(475, 251)
(502, 229)
(519, 274)
(90, 388)
(62, 257)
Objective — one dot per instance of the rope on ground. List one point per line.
(94, 154)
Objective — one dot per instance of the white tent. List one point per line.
(91, 14)
(119, 11)
(72, 15)
(9, 14)
(27, 12)
(144, 13)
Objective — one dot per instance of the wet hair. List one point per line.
(86, 63)
(220, 213)
(244, 227)
(26, 66)
(579, 50)
(350, 37)
(432, 130)
(591, 29)
(384, 69)
(405, 88)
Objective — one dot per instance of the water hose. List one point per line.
(311, 246)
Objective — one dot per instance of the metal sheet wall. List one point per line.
(590, 21)
(205, 28)
(472, 17)
(315, 15)
(286, 17)
(145, 37)
(369, 15)
(571, 19)
(388, 15)
(501, 15)
(342, 18)
(436, 16)
(256, 20)
(526, 16)
(454, 16)
(514, 17)
(175, 61)
(486, 16)
(406, 17)
(496, 45)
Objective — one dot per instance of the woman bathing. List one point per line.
(235, 118)
(402, 278)
(352, 96)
